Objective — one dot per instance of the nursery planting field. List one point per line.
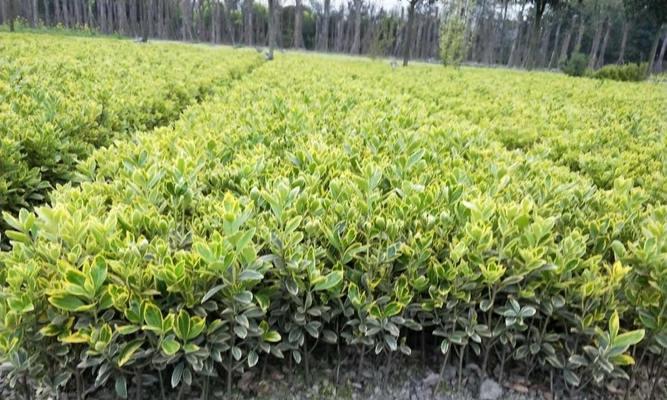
(62, 97)
(517, 219)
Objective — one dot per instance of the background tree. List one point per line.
(518, 33)
(539, 8)
(272, 27)
(656, 12)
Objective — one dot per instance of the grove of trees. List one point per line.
(515, 33)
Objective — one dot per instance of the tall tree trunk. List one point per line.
(517, 39)
(298, 25)
(654, 49)
(605, 41)
(84, 13)
(595, 46)
(65, 10)
(11, 14)
(356, 42)
(435, 34)
(133, 17)
(340, 34)
(544, 48)
(247, 24)
(160, 19)
(47, 14)
(34, 13)
(525, 47)
(500, 54)
(272, 28)
(145, 21)
(661, 56)
(580, 35)
(624, 41)
(324, 39)
(566, 41)
(229, 24)
(101, 13)
(187, 20)
(77, 12)
(122, 17)
(554, 52)
(408, 32)
(417, 41)
(425, 42)
(532, 57)
(91, 15)
(214, 22)
(57, 13)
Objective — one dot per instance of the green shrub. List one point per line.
(286, 215)
(576, 65)
(624, 73)
(64, 96)
(453, 46)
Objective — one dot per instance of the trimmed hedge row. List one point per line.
(61, 97)
(344, 205)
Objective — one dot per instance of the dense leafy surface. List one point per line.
(60, 97)
(505, 213)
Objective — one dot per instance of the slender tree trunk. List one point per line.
(133, 17)
(580, 35)
(654, 49)
(146, 26)
(159, 18)
(47, 14)
(532, 57)
(272, 28)
(408, 32)
(595, 47)
(525, 47)
(279, 24)
(356, 41)
(77, 12)
(247, 18)
(554, 52)
(122, 15)
(517, 39)
(624, 41)
(91, 15)
(65, 10)
(11, 14)
(34, 13)
(661, 56)
(227, 13)
(340, 34)
(500, 55)
(544, 48)
(186, 23)
(57, 12)
(435, 34)
(605, 41)
(425, 42)
(566, 41)
(214, 22)
(417, 41)
(324, 39)
(84, 13)
(298, 25)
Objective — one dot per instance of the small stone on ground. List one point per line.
(490, 390)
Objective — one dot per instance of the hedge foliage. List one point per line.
(576, 65)
(623, 73)
(347, 204)
(60, 97)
